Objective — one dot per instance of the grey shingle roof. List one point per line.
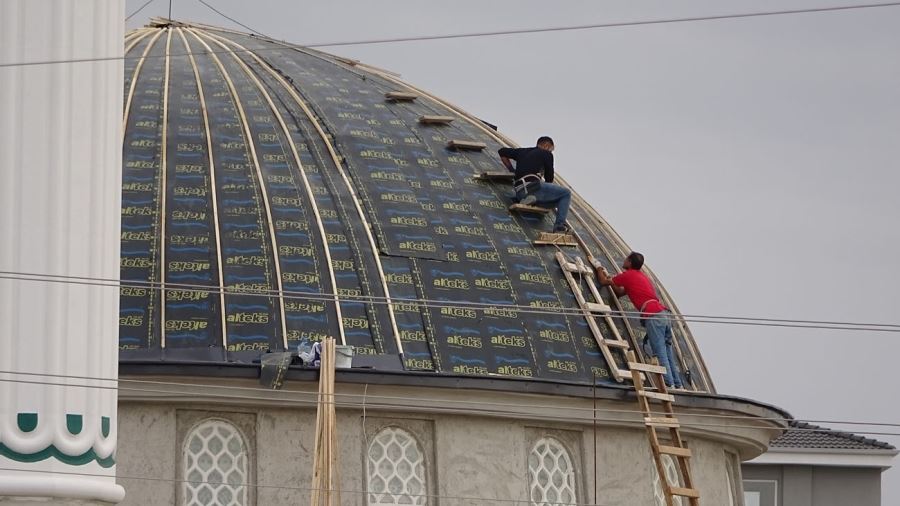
(806, 435)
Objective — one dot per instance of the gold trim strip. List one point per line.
(163, 166)
(262, 187)
(134, 78)
(309, 193)
(212, 178)
(337, 163)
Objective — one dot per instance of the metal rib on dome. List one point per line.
(253, 169)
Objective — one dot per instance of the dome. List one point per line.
(274, 194)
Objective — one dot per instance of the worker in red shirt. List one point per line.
(655, 317)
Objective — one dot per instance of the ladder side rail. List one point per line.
(589, 317)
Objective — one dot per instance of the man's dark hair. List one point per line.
(542, 139)
(636, 259)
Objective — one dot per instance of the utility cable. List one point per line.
(139, 9)
(490, 500)
(605, 25)
(229, 18)
(475, 35)
(253, 393)
(443, 409)
(435, 303)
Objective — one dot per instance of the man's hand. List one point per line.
(507, 164)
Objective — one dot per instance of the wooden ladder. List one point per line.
(668, 421)
(593, 309)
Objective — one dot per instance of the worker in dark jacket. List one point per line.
(534, 179)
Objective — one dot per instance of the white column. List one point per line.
(60, 176)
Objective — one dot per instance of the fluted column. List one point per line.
(60, 173)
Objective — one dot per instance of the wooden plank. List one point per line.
(616, 343)
(661, 422)
(621, 372)
(656, 395)
(522, 208)
(685, 492)
(467, 145)
(347, 61)
(400, 96)
(597, 307)
(496, 176)
(435, 120)
(674, 450)
(549, 238)
(655, 369)
(573, 267)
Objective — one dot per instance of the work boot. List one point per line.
(529, 200)
(562, 229)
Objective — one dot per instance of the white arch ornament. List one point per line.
(672, 476)
(60, 174)
(395, 469)
(551, 474)
(216, 465)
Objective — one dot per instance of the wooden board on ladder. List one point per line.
(555, 239)
(500, 177)
(669, 422)
(591, 310)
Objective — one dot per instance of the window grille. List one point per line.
(672, 476)
(395, 469)
(551, 475)
(215, 466)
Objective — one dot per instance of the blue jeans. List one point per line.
(553, 195)
(659, 334)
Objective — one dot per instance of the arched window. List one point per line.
(395, 468)
(551, 475)
(672, 475)
(215, 465)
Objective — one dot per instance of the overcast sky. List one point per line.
(753, 161)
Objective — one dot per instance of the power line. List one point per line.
(467, 35)
(491, 500)
(404, 405)
(253, 393)
(139, 9)
(449, 304)
(606, 25)
(226, 16)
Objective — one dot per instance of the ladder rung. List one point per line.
(658, 396)
(674, 450)
(573, 267)
(624, 373)
(685, 492)
(435, 120)
(637, 366)
(616, 343)
(397, 96)
(662, 422)
(597, 307)
(461, 144)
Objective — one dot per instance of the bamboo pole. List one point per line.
(325, 458)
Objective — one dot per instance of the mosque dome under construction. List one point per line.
(274, 194)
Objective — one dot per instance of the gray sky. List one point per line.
(753, 161)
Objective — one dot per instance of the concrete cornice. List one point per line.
(746, 425)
